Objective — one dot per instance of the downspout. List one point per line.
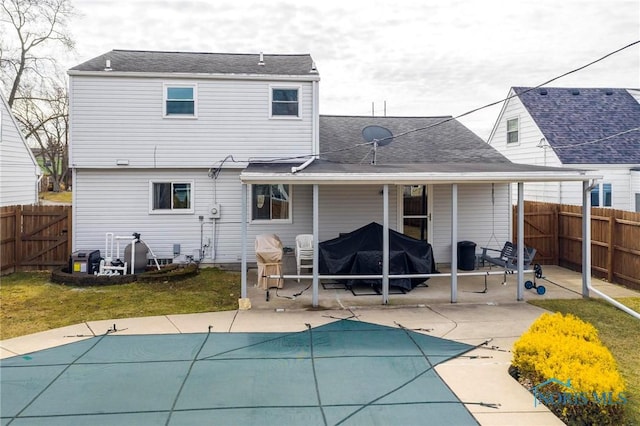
(303, 166)
(586, 253)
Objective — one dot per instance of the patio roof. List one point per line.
(328, 172)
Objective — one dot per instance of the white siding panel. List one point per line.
(344, 208)
(18, 170)
(481, 220)
(635, 190)
(121, 118)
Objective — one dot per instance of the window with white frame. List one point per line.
(601, 195)
(171, 197)
(285, 102)
(180, 100)
(512, 130)
(271, 202)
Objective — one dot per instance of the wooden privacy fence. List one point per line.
(34, 237)
(555, 230)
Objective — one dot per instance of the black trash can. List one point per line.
(466, 255)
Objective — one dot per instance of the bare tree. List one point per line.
(46, 122)
(32, 34)
(39, 26)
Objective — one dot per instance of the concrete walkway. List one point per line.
(479, 376)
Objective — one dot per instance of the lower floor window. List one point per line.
(271, 202)
(601, 195)
(171, 196)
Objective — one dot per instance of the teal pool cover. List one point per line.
(343, 373)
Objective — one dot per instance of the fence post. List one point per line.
(17, 245)
(612, 245)
(555, 217)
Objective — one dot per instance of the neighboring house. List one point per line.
(182, 147)
(596, 129)
(19, 171)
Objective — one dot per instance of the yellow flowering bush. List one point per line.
(561, 359)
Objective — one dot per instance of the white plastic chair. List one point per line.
(304, 252)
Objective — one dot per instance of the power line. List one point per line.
(523, 92)
(635, 129)
(448, 119)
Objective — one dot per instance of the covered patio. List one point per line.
(454, 175)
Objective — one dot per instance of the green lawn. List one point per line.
(59, 197)
(619, 331)
(31, 303)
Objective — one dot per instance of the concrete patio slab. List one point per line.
(142, 325)
(199, 323)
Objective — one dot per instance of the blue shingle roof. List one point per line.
(571, 119)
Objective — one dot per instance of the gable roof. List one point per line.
(571, 119)
(449, 142)
(142, 61)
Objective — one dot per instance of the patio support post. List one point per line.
(243, 239)
(454, 245)
(520, 253)
(385, 245)
(586, 238)
(315, 280)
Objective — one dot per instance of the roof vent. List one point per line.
(313, 67)
(261, 61)
(609, 92)
(543, 91)
(575, 92)
(107, 65)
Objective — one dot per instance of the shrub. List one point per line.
(562, 361)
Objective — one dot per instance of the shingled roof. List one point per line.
(139, 61)
(441, 140)
(572, 119)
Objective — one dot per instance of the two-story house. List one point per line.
(595, 129)
(19, 171)
(202, 152)
(149, 128)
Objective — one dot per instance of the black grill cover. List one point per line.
(360, 252)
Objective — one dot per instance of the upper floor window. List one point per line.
(271, 202)
(601, 195)
(171, 197)
(512, 130)
(180, 100)
(285, 102)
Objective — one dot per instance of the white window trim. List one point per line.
(271, 221)
(285, 87)
(506, 132)
(165, 87)
(172, 211)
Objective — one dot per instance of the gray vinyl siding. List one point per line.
(18, 170)
(120, 118)
(118, 201)
(479, 220)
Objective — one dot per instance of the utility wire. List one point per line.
(635, 129)
(448, 119)
(517, 94)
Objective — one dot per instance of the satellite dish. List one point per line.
(378, 133)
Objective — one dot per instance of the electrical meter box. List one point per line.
(84, 262)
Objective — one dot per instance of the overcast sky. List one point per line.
(423, 57)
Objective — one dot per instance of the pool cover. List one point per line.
(343, 373)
